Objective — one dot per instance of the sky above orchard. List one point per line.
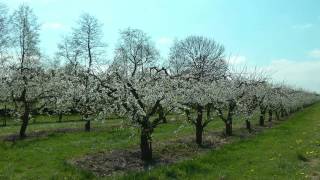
(279, 36)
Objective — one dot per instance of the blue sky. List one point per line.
(282, 36)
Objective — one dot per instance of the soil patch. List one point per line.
(118, 162)
(39, 134)
(121, 161)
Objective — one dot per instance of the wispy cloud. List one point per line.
(303, 26)
(164, 41)
(53, 26)
(314, 53)
(298, 73)
(237, 60)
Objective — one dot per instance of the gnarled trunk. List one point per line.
(248, 125)
(282, 113)
(277, 115)
(199, 127)
(5, 116)
(262, 117)
(228, 124)
(162, 115)
(25, 121)
(87, 125)
(146, 143)
(270, 115)
(4, 121)
(60, 118)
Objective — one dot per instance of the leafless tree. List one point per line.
(135, 53)
(198, 57)
(69, 54)
(26, 72)
(4, 31)
(200, 60)
(84, 50)
(4, 44)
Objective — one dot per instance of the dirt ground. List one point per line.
(122, 161)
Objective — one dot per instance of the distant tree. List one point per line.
(238, 96)
(255, 92)
(26, 78)
(70, 54)
(4, 32)
(61, 100)
(135, 53)
(84, 50)
(4, 46)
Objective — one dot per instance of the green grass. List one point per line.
(288, 145)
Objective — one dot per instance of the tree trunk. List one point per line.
(164, 120)
(228, 127)
(25, 121)
(199, 134)
(262, 117)
(88, 125)
(248, 125)
(199, 127)
(146, 144)
(228, 122)
(277, 115)
(5, 116)
(270, 115)
(162, 115)
(286, 113)
(60, 117)
(282, 113)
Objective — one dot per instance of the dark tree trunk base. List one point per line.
(25, 122)
(270, 116)
(261, 121)
(199, 127)
(146, 145)
(23, 130)
(199, 134)
(277, 116)
(87, 126)
(4, 124)
(229, 128)
(248, 125)
(60, 118)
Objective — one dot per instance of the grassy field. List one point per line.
(288, 151)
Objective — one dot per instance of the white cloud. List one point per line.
(304, 74)
(52, 26)
(314, 53)
(237, 60)
(164, 41)
(303, 26)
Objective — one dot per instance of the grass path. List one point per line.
(289, 151)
